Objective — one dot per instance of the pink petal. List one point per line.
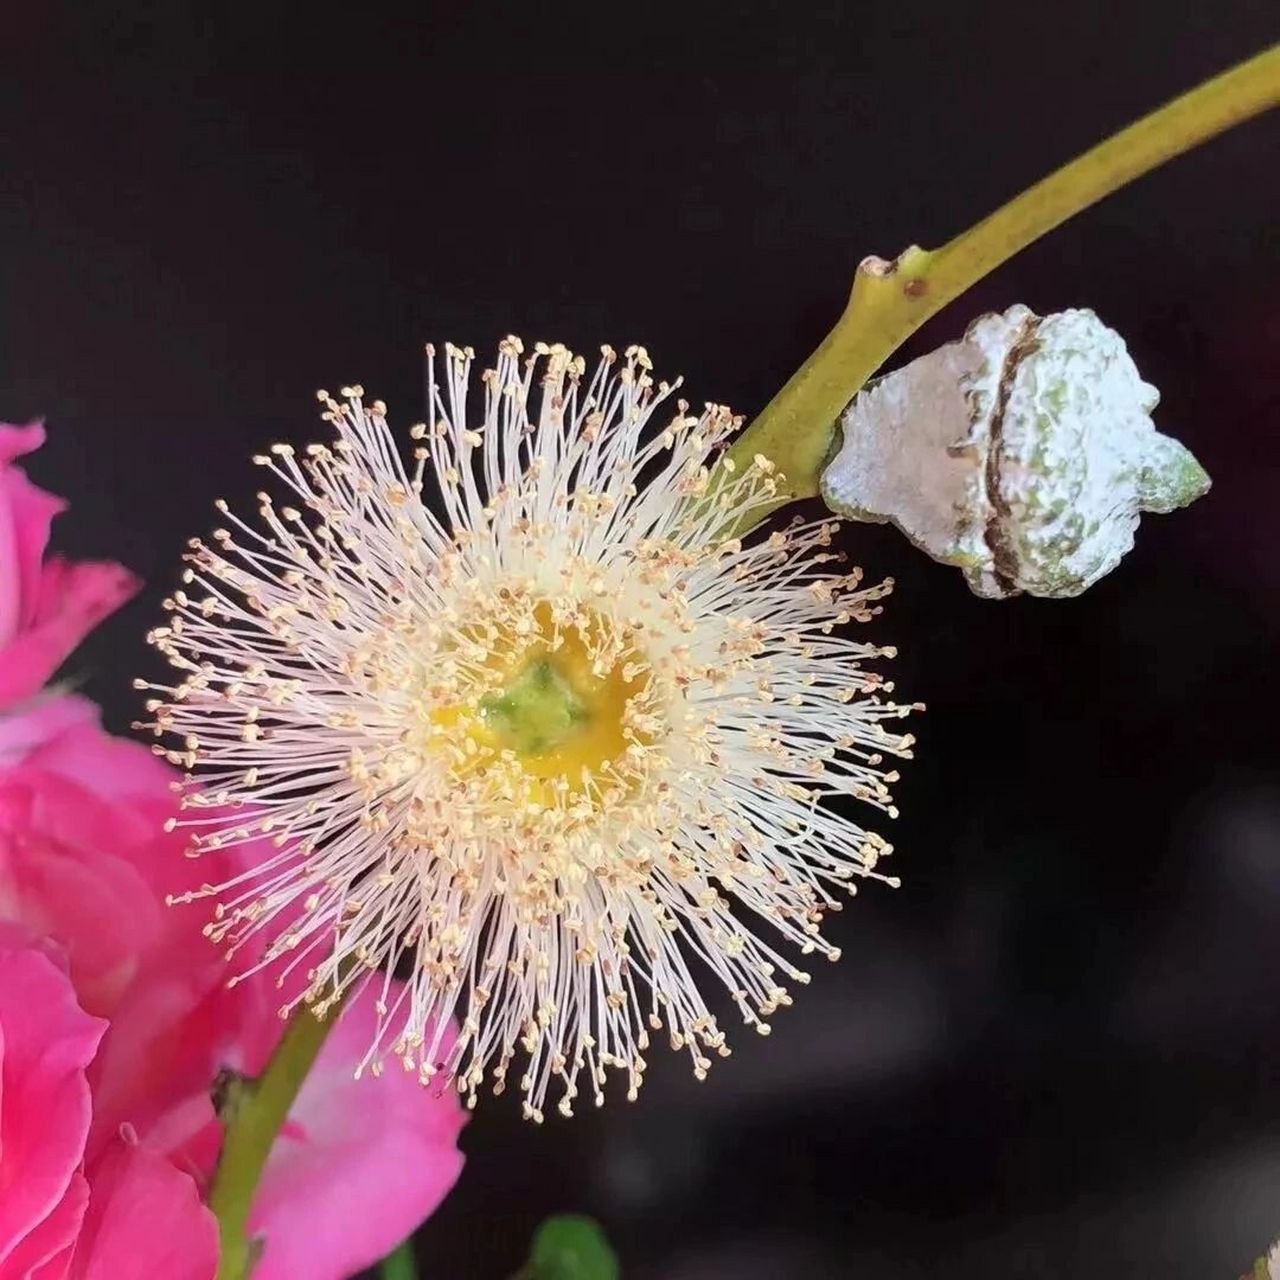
(170, 1034)
(57, 1268)
(46, 1042)
(63, 735)
(62, 810)
(46, 608)
(16, 441)
(360, 1165)
(26, 512)
(71, 599)
(41, 722)
(45, 1253)
(145, 1221)
(65, 874)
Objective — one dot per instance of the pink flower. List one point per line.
(46, 606)
(130, 1215)
(86, 864)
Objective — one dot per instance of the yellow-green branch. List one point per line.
(254, 1113)
(890, 300)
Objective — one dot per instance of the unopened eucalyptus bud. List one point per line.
(1023, 453)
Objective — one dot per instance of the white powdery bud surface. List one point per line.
(1023, 454)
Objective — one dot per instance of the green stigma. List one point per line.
(537, 712)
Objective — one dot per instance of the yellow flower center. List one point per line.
(566, 704)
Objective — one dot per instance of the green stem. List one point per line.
(890, 300)
(255, 1111)
(400, 1265)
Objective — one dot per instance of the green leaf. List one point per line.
(400, 1265)
(571, 1247)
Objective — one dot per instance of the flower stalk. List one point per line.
(890, 300)
(254, 1111)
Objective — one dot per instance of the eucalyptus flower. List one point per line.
(521, 719)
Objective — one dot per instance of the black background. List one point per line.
(1052, 1053)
